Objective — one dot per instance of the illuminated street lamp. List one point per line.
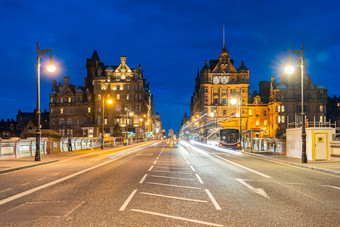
(233, 102)
(289, 70)
(109, 101)
(50, 68)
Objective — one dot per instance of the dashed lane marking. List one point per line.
(142, 180)
(192, 168)
(213, 200)
(199, 179)
(128, 200)
(161, 171)
(177, 178)
(150, 168)
(176, 217)
(174, 197)
(8, 189)
(174, 185)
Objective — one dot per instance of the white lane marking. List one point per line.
(331, 186)
(128, 200)
(25, 184)
(150, 168)
(177, 178)
(142, 180)
(199, 179)
(169, 167)
(30, 191)
(161, 171)
(192, 168)
(174, 197)
(41, 179)
(213, 200)
(173, 185)
(8, 189)
(176, 217)
(188, 162)
(157, 158)
(155, 162)
(259, 191)
(251, 170)
(74, 208)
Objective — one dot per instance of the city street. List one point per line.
(157, 185)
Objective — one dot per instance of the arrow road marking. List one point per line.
(259, 191)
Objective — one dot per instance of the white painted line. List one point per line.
(150, 168)
(142, 180)
(70, 212)
(173, 185)
(331, 186)
(259, 191)
(41, 179)
(25, 184)
(8, 189)
(155, 162)
(192, 168)
(157, 158)
(128, 200)
(213, 200)
(199, 179)
(174, 197)
(32, 190)
(176, 217)
(188, 162)
(178, 178)
(251, 170)
(161, 171)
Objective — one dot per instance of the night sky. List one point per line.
(170, 39)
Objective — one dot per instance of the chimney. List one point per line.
(54, 85)
(123, 60)
(66, 80)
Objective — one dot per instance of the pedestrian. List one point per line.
(69, 143)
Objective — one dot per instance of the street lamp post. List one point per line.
(289, 69)
(103, 109)
(50, 68)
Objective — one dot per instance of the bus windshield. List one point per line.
(229, 135)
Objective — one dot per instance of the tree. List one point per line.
(117, 131)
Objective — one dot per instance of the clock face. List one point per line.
(225, 79)
(216, 80)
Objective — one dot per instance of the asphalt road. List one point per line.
(156, 185)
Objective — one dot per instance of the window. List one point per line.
(89, 99)
(99, 97)
(61, 122)
(98, 87)
(279, 119)
(105, 121)
(215, 101)
(51, 100)
(224, 101)
(99, 120)
(321, 108)
(118, 96)
(69, 122)
(283, 119)
(77, 122)
(69, 99)
(257, 122)
(61, 110)
(278, 109)
(118, 87)
(282, 108)
(140, 96)
(61, 99)
(206, 100)
(206, 90)
(224, 112)
(265, 122)
(89, 109)
(321, 96)
(128, 87)
(136, 97)
(265, 113)
(127, 96)
(109, 87)
(250, 112)
(321, 118)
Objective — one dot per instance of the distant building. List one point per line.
(78, 111)
(333, 110)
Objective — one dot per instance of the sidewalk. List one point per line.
(329, 166)
(10, 165)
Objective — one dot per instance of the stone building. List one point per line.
(80, 111)
(219, 87)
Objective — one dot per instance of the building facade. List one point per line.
(82, 111)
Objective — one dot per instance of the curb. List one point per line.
(26, 167)
(295, 164)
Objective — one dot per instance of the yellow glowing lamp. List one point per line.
(51, 68)
(289, 69)
(109, 101)
(233, 101)
(131, 114)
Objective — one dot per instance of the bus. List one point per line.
(224, 137)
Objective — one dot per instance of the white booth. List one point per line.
(317, 142)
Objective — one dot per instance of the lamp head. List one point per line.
(109, 101)
(51, 68)
(233, 101)
(289, 69)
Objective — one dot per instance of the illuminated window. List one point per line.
(89, 109)
(283, 119)
(250, 112)
(278, 119)
(128, 87)
(118, 96)
(278, 109)
(265, 122)
(61, 110)
(321, 118)
(257, 122)
(127, 96)
(105, 121)
(282, 108)
(51, 100)
(99, 97)
(321, 108)
(61, 99)
(69, 99)
(51, 110)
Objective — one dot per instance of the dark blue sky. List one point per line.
(171, 39)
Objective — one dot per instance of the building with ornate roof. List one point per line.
(81, 111)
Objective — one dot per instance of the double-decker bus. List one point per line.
(225, 137)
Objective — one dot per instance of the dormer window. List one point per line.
(69, 99)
